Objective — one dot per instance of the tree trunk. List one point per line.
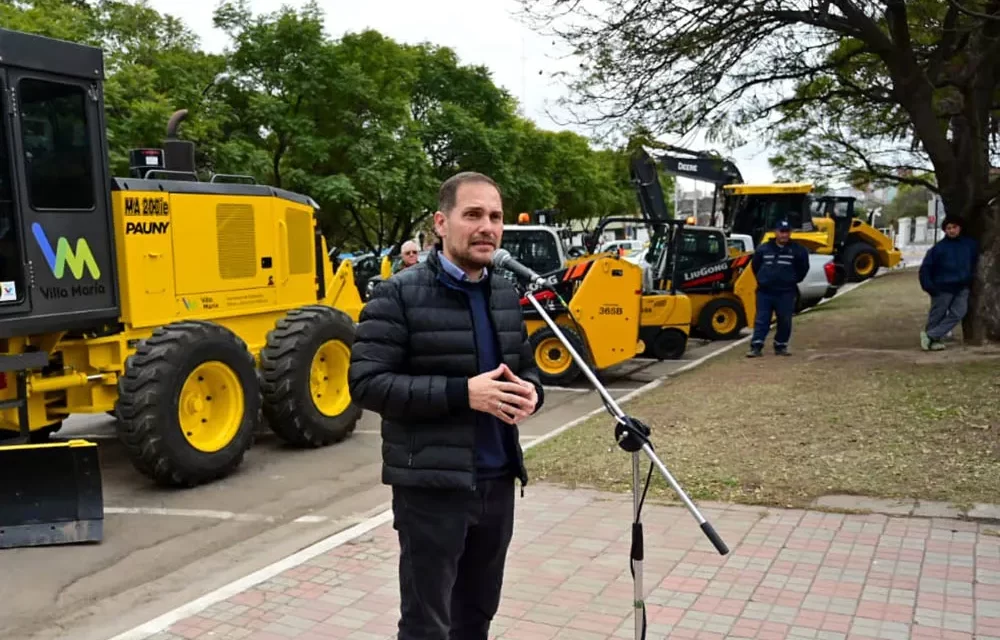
(982, 323)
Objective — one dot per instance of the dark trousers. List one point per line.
(781, 304)
(947, 310)
(453, 546)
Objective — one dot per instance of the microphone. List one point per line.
(503, 260)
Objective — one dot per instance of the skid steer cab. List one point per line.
(191, 310)
(719, 281)
(699, 263)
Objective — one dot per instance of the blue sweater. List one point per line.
(493, 438)
(949, 266)
(779, 269)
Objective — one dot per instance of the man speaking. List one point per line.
(442, 355)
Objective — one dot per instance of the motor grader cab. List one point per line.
(189, 309)
(602, 308)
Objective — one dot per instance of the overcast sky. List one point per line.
(481, 31)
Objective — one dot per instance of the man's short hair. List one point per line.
(952, 219)
(448, 193)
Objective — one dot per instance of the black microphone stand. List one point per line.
(633, 436)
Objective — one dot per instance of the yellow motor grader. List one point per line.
(191, 310)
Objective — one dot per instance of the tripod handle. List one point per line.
(716, 541)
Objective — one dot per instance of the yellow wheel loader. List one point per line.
(191, 310)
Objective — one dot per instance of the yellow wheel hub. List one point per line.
(211, 406)
(552, 357)
(328, 378)
(864, 264)
(724, 320)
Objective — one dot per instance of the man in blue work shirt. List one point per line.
(946, 274)
(779, 265)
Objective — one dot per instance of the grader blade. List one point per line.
(50, 494)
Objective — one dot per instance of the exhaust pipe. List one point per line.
(175, 122)
(178, 154)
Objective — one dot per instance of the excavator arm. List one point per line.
(699, 165)
(696, 165)
(684, 163)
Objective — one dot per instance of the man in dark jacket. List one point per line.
(946, 274)
(779, 266)
(442, 355)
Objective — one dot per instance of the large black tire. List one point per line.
(668, 344)
(860, 261)
(722, 319)
(296, 411)
(556, 366)
(149, 403)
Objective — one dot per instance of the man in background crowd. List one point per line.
(409, 253)
(946, 274)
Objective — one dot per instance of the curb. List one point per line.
(978, 513)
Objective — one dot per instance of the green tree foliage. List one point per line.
(151, 61)
(366, 126)
(846, 90)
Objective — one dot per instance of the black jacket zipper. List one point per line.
(457, 290)
(475, 347)
(517, 432)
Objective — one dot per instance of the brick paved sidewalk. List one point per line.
(790, 574)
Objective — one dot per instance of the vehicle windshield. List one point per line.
(699, 248)
(534, 248)
(754, 215)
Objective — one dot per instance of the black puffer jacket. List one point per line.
(411, 361)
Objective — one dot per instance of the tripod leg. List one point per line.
(637, 551)
(632, 436)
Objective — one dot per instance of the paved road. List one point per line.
(166, 547)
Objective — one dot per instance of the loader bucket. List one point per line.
(50, 494)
